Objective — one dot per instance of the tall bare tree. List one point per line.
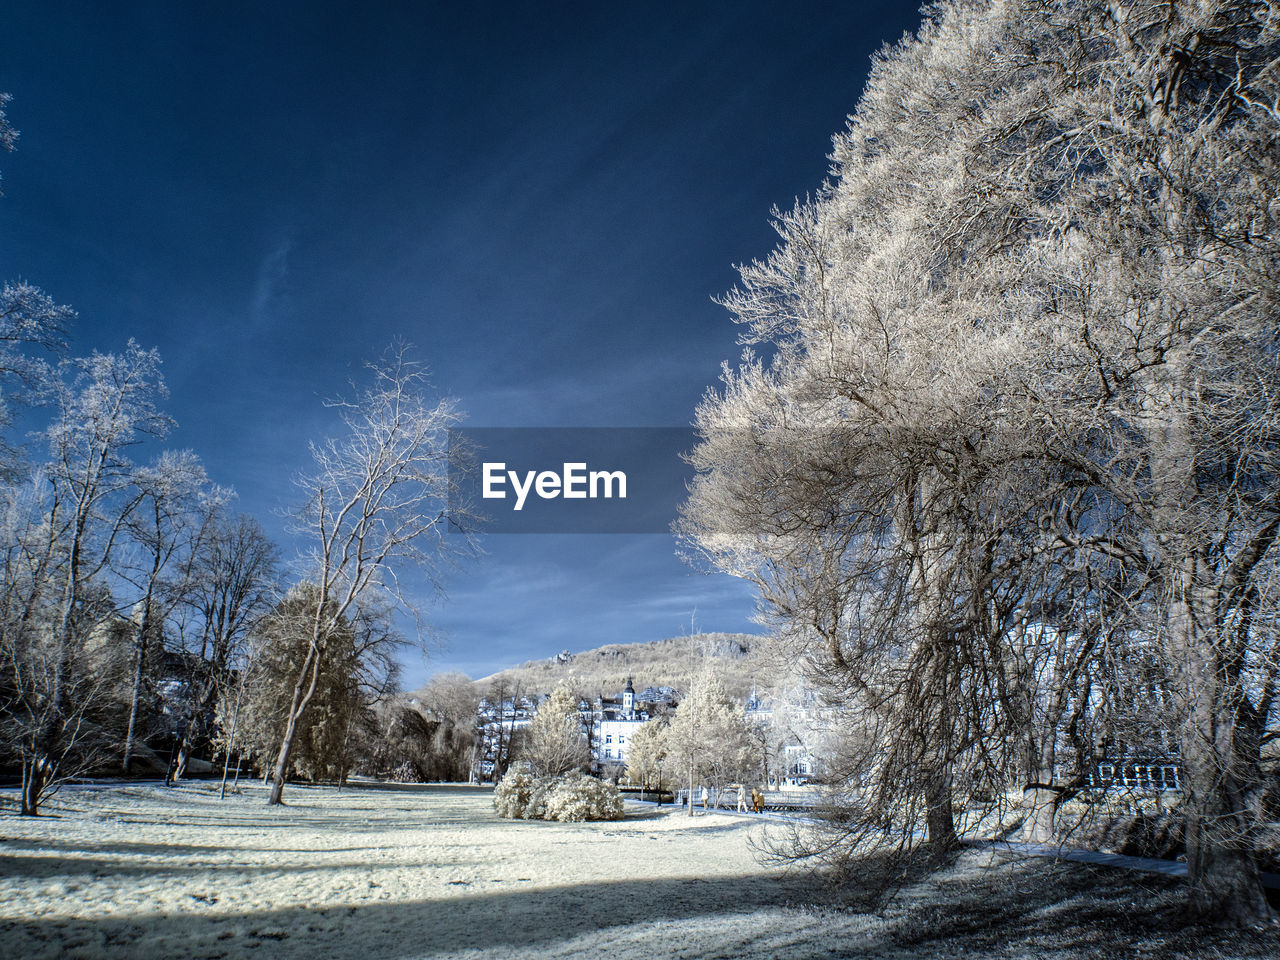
(232, 583)
(1023, 387)
(376, 511)
(162, 535)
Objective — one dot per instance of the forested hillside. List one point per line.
(741, 659)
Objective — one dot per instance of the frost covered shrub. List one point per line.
(511, 795)
(536, 808)
(582, 798)
(522, 796)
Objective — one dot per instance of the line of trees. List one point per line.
(136, 608)
(1003, 463)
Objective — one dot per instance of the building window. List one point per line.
(608, 738)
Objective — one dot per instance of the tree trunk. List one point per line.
(130, 732)
(940, 817)
(231, 742)
(179, 769)
(1039, 798)
(226, 767)
(1041, 803)
(300, 700)
(144, 630)
(32, 787)
(1220, 836)
(275, 797)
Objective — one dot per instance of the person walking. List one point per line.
(742, 798)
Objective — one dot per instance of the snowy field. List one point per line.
(142, 871)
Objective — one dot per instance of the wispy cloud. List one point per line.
(269, 303)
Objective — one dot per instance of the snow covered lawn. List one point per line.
(142, 871)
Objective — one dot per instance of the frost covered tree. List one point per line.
(430, 736)
(647, 754)
(1022, 387)
(162, 534)
(32, 328)
(500, 738)
(377, 510)
(554, 743)
(708, 738)
(8, 135)
(59, 714)
(450, 704)
(31, 324)
(232, 583)
(1161, 254)
(84, 494)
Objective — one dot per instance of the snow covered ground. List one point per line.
(142, 871)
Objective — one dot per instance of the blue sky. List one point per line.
(543, 198)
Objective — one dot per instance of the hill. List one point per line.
(742, 659)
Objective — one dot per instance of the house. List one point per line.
(613, 721)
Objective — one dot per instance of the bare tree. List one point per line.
(1156, 393)
(377, 507)
(554, 742)
(232, 583)
(500, 736)
(708, 737)
(30, 323)
(162, 534)
(447, 708)
(647, 754)
(58, 712)
(86, 494)
(1017, 434)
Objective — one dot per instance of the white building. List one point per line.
(609, 723)
(613, 722)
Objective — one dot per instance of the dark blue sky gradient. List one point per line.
(543, 198)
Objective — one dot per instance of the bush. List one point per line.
(511, 795)
(521, 796)
(583, 798)
(536, 809)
